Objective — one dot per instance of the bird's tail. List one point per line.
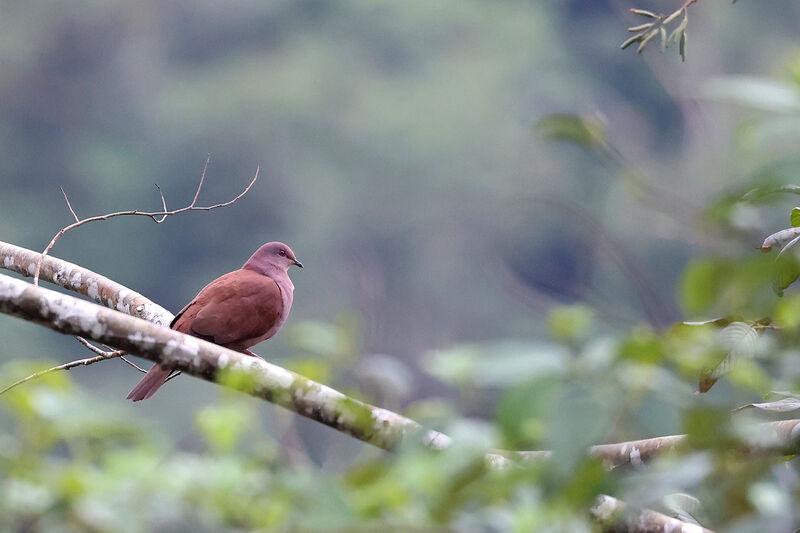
(149, 384)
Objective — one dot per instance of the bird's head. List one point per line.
(272, 256)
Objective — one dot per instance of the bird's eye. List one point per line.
(282, 252)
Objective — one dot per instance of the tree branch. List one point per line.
(83, 281)
(153, 215)
(771, 438)
(616, 516)
(205, 360)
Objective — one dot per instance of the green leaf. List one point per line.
(642, 27)
(321, 338)
(676, 34)
(794, 218)
(683, 506)
(785, 271)
(760, 192)
(673, 16)
(701, 283)
(523, 410)
(570, 323)
(495, 364)
(643, 346)
(787, 312)
(572, 128)
(784, 405)
(682, 46)
(649, 37)
(758, 93)
(719, 322)
(224, 426)
(644, 13)
(740, 342)
(709, 428)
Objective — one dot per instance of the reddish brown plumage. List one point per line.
(237, 310)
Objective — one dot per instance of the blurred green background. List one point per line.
(412, 155)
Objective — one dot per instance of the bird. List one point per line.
(237, 310)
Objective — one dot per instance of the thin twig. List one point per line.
(134, 365)
(153, 215)
(163, 202)
(126, 360)
(91, 346)
(173, 376)
(65, 366)
(108, 353)
(70, 205)
(202, 179)
(101, 356)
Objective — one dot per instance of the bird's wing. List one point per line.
(238, 306)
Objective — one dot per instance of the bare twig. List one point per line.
(108, 354)
(67, 366)
(163, 202)
(202, 179)
(70, 205)
(173, 376)
(153, 215)
(91, 346)
(134, 365)
(111, 353)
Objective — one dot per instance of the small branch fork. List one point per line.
(156, 216)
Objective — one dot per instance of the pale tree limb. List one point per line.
(156, 216)
(615, 516)
(82, 281)
(88, 283)
(205, 360)
(770, 438)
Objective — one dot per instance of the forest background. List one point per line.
(464, 264)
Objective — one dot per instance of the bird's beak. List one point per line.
(298, 263)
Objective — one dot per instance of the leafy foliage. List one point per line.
(657, 27)
(666, 27)
(427, 111)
